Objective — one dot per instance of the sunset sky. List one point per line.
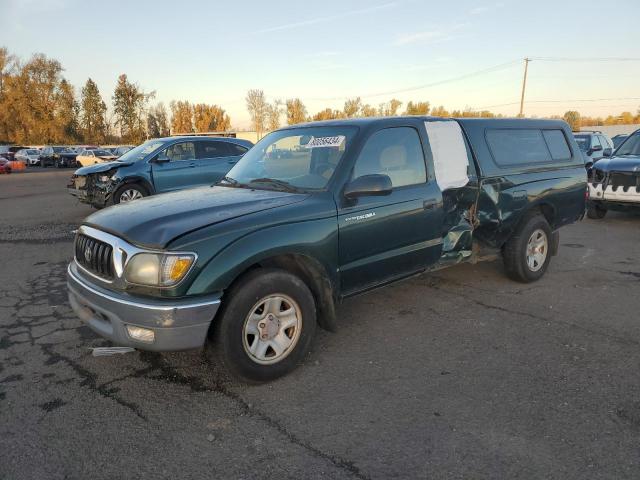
(585, 54)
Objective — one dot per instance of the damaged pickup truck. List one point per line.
(254, 264)
(157, 166)
(614, 182)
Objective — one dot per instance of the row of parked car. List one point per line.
(19, 157)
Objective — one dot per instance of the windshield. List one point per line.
(140, 152)
(58, 149)
(631, 145)
(583, 141)
(299, 158)
(32, 152)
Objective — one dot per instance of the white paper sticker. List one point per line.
(449, 154)
(318, 142)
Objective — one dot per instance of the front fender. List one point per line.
(317, 239)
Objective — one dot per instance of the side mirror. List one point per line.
(161, 158)
(596, 148)
(607, 152)
(369, 185)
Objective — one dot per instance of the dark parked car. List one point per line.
(594, 145)
(618, 139)
(614, 183)
(9, 151)
(157, 166)
(65, 158)
(254, 263)
(49, 155)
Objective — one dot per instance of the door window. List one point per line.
(181, 151)
(594, 141)
(237, 150)
(212, 150)
(396, 152)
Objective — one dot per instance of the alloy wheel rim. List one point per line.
(129, 195)
(537, 250)
(272, 329)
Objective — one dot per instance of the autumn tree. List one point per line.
(328, 114)
(273, 115)
(352, 107)
(368, 111)
(181, 117)
(573, 119)
(296, 111)
(129, 106)
(210, 118)
(93, 123)
(390, 108)
(417, 108)
(440, 112)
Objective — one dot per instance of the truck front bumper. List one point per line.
(176, 324)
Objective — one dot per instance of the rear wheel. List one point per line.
(527, 254)
(596, 212)
(128, 193)
(266, 327)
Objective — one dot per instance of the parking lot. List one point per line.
(457, 374)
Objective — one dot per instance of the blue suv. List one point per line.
(157, 166)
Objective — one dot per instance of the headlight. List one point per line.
(104, 178)
(158, 269)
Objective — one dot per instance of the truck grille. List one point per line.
(623, 180)
(95, 256)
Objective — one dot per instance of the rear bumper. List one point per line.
(177, 324)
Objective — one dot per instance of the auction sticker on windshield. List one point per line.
(317, 142)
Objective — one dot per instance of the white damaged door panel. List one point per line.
(452, 165)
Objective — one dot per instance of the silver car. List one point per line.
(28, 156)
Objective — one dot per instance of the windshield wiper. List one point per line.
(229, 180)
(277, 183)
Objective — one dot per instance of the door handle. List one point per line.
(430, 204)
(192, 165)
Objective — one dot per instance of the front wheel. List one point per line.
(266, 327)
(128, 193)
(596, 212)
(527, 253)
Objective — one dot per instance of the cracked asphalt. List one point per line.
(457, 374)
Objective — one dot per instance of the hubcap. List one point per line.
(537, 249)
(272, 329)
(129, 195)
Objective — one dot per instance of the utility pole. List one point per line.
(524, 86)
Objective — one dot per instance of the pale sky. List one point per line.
(213, 52)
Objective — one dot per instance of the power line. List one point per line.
(495, 68)
(586, 59)
(569, 100)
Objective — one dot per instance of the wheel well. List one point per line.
(549, 213)
(140, 181)
(313, 275)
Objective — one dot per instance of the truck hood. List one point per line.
(154, 221)
(628, 163)
(101, 167)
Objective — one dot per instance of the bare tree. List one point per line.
(258, 110)
(296, 111)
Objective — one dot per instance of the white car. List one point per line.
(28, 156)
(91, 157)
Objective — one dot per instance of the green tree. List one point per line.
(258, 110)
(67, 127)
(418, 108)
(93, 123)
(573, 119)
(296, 111)
(129, 106)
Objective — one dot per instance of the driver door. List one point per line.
(383, 238)
(177, 168)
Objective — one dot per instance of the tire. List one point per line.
(130, 190)
(258, 294)
(596, 212)
(522, 261)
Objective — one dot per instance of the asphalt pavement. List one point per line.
(457, 374)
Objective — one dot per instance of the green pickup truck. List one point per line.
(315, 213)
